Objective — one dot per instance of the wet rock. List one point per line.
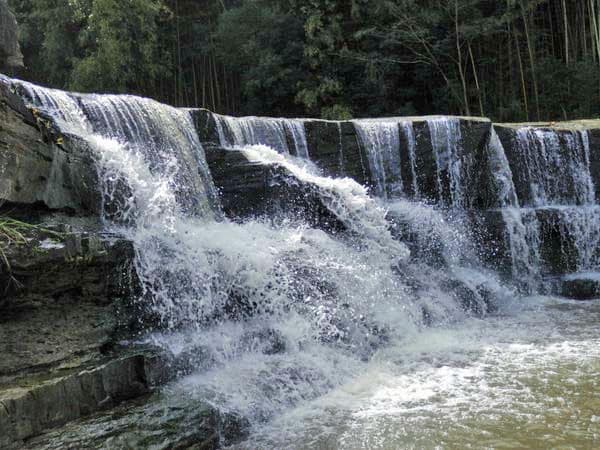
(32, 405)
(206, 126)
(251, 189)
(493, 239)
(161, 421)
(580, 286)
(62, 296)
(334, 146)
(41, 166)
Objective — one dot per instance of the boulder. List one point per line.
(580, 286)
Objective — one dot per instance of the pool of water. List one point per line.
(528, 377)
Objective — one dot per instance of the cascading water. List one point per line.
(580, 226)
(522, 230)
(316, 306)
(275, 133)
(553, 169)
(557, 171)
(382, 143)
(446, 140)
(409, 133)
(322, 339)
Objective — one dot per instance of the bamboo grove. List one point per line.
(511, 60)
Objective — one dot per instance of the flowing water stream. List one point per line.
(381, 337)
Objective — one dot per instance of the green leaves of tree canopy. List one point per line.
(510, 60)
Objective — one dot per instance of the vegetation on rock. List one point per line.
(15, 232)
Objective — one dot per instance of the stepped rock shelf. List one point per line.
(68, 305)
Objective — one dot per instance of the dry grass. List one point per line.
(13, 232)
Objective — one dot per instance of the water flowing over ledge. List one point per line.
(424, 224)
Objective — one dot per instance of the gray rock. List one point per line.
(580, 286)
(31, 406)
(206, 126)
(63, 298)
(162, 421)
(39, 165)
(250, 189)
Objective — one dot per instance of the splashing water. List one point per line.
(348, 200)
(318, 295)
(316, 338)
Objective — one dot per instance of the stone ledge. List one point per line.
(32, 406)
(251, 189)
(41, 166)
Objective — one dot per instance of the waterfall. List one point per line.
(161, 135)
(344, 197)
(275, 314)
(346, 336)
(522, 227)
(506, 194)
(556, 166)
(446, 141)
(275, 133)
(553, 171)
(580, 227)
(381, 140)
(522, 234)
(409, 134)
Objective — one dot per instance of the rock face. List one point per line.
(580, 286)
(67, 290)
(40, 166)
(251, 189)
(10, 53)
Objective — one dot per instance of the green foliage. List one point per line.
(512, 60)
(264, 45)
(121, 51)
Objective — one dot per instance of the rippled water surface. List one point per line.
(527, 378)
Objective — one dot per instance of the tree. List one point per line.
(121, 48)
